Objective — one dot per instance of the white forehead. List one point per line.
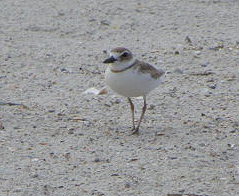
(117, 54)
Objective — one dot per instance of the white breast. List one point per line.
(131, 83)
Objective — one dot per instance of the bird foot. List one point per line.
(134, 131)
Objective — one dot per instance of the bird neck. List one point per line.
(122, 66)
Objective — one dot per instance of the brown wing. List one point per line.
(147, 68)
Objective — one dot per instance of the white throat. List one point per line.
(118, 66)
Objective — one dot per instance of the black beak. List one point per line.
(110, 60)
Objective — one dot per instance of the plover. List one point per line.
(130, 77)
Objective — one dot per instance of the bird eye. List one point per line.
(125, 54)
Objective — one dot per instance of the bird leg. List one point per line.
(136, 131)
(132, 111)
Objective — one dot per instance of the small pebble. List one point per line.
(71, 131)
(67, 156)
(1, 126)
(188, 40)
(182, 191)
(127, 185)
(178, 70)
(117, 101)
(210, 80)
(114, 175)
(61, 13)
(151, 107)
(35, 175)
(212, 86)
(204, 64)
(104, 22)
(197, 52)
(231, 145)
(64, 69)
(97, 160)
(160, 134)
(172, 158)
(92, 20)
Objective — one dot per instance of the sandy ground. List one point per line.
(61, 141)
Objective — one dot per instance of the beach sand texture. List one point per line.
(59, 140)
